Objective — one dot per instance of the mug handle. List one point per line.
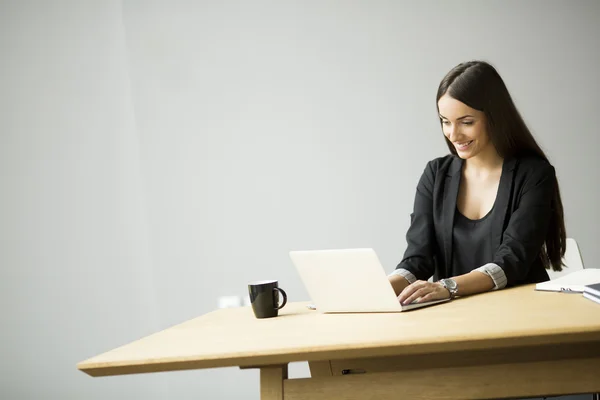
(284, 297)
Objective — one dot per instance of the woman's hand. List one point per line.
(423, 291)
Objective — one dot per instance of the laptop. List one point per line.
(348, 281)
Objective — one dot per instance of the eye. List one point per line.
(445, 122)
(467, 122)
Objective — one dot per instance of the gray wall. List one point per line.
(75, 266)
(157, 155)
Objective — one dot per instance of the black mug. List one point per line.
(264, 297)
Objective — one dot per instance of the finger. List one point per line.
(427, 297)
(418, 293)
(405, 293)
(414, 296)
(436, 294)
(410, 289)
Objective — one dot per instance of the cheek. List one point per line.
(479, 134)
(483, 136)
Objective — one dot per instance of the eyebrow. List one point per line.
(463, 117)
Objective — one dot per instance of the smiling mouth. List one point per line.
(463, 145)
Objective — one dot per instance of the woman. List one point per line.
(489, 215)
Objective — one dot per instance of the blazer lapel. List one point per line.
(449, 209)
(502, 201)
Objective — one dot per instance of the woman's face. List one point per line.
(465, 127)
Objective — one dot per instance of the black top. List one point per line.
(472, 242)
(519, 223)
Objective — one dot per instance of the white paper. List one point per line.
(573, 282)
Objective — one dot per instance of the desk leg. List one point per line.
(271, 382)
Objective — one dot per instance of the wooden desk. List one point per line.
(511, 343)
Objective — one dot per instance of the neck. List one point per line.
(485, 162)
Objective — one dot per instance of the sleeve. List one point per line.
(496, 273)
(420, 238)
(405, 274)
(526, 231)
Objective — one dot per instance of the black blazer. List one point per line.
(520, 221)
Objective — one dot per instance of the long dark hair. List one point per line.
(478, 85)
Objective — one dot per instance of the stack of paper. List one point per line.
(573, 282)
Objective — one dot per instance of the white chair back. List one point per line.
(572, 260)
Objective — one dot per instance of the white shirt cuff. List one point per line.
(405, 274)
(496, 273)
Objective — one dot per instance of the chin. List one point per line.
(466, 155)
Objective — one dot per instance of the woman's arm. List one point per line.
(420, 237)
(422, 291)
(398, 283)
(472, 283)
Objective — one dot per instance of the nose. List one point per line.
(452, 132)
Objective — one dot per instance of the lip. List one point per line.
(459, 147)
